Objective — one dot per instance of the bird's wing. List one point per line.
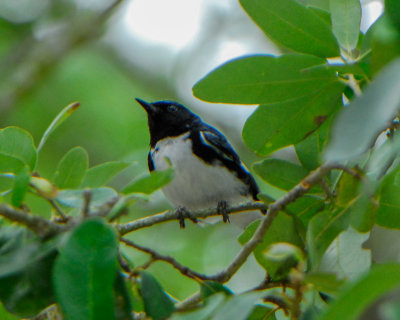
(224, 152)
(219, 144)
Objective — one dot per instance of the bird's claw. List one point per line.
(222, 210)
(182, 214)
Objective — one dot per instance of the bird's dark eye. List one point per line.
(172, 108)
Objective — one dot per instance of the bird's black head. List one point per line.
(168, 119)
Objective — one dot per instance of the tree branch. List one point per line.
(174, 215)
(313, 178)
(38, 225)
(225, 275)
(186, 271)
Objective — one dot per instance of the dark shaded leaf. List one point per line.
(85, 272)
(157, 304)
(208, 288)
(283, 229)
(322, 230)
(388, 214)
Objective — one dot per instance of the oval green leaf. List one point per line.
(149, 183)
(292, 25)
(157, 304)
(270, 127)
(71, 169)
(16, 143)
(59, 119)
(99, 175)
(346, 19)
(85, 271)
(265, 79)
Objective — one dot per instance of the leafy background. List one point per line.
(64, 54)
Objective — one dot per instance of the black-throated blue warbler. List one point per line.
(208, 171)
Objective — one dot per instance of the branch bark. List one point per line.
(38, 225)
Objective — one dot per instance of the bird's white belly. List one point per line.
(196, 185)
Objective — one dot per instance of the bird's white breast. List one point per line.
(196, 185)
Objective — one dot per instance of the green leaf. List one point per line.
(123, 303)
(290, 24)
(4, 315)
(75, 198)
(392, 9)
(262, 312)
(25, 271)
(356, 297)
(385, 43)
(322, 230)
(388, 214)
(16, 145)
(21, 186)
(324, 282)
(346, 256)
(320, 4)
(204, 313)
(71, 169)
(306, 207)
(270, 127)
(281, 173)
(149, 183)
(366, 116)
(265, 79)
(346, 19)
(208, 288)
(60, 118)
(99, 175)
(309, 150)
(282, 257)
(85, 271)
(284, 228)
(157, 304)
(238, 307)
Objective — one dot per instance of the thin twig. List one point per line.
(186, 271)
(87, 197)
(64, 217)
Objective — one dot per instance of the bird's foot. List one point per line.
(222, 210)
(182, 214)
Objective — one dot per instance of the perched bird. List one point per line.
(208, 171)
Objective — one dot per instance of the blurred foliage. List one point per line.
(70, 183)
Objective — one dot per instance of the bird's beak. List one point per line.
(150, 109)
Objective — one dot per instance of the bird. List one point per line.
(208, 171)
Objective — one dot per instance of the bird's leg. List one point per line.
(221, 208)
(182, 214)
